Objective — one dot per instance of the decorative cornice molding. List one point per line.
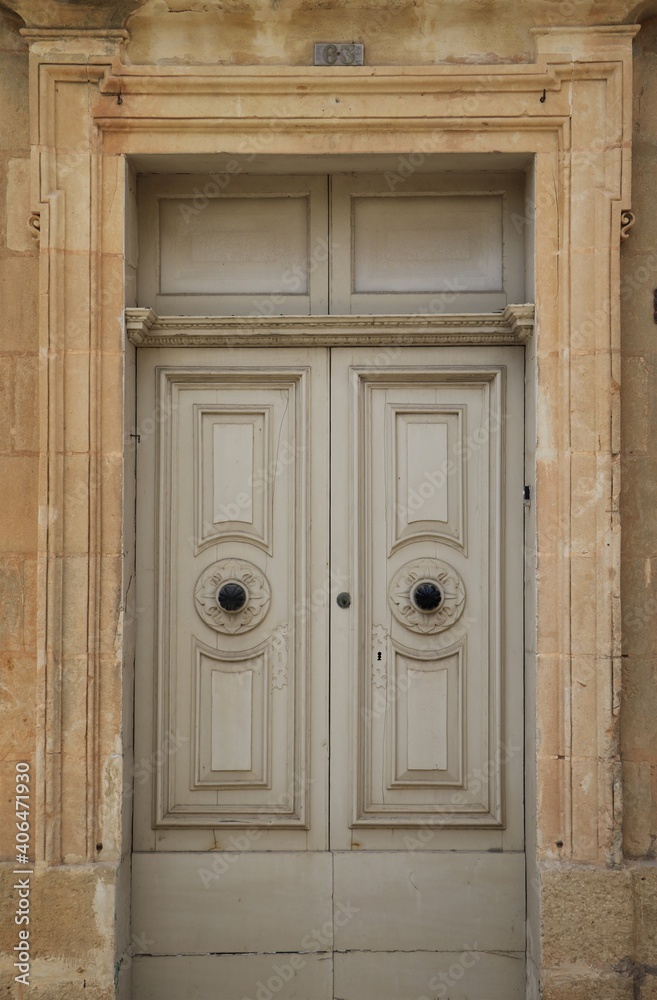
(48, 34)
(146, 329)
(243, 80)
(125, 124)
(93, 17)
(582, 40)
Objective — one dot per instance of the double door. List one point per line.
(329, 696)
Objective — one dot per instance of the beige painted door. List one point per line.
(328, 728)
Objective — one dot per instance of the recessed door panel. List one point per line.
(425, 243)
(426, 474)
(407, 241)
(233, 495)
(233, 243)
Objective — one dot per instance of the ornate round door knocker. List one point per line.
(427, 595)
(232, 595)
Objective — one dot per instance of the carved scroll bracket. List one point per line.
(628, 218)
(34, 224)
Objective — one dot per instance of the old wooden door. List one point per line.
(328, 780)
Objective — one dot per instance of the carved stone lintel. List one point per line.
(628, 218)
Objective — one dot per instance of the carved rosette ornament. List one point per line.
(427, 595)
(232, 596)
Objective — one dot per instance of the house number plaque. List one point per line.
(338, 54)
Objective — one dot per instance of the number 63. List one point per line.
(344, 53)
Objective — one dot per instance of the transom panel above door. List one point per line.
(401, 241)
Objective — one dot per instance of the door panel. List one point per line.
(401, 903)
(465, 974)
(242, 977)
(237, 489)
(233, 244)
(412, 242)
(426, 477)
(212, 903)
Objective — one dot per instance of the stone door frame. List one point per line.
(571, 109)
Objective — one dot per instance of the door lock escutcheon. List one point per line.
(343, 600)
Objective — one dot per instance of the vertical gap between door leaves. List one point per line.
(329, 797)
(329, 375)
(329, 580)
(329, 240)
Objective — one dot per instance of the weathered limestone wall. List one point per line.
(73, 937)
(599, 926)
(395, 32)
(19, 442)
(639, 498)
(19, 452)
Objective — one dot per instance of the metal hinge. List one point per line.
(527, 496)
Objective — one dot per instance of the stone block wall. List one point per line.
(19, 424)
(598, 932)
(72, 907)
(639, 496)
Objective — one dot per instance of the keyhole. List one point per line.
(378, 656)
